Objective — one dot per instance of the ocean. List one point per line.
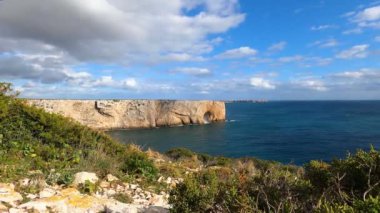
(286, 131)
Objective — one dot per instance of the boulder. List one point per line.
(8, 194)
(81, 177)
(47, 192)
(111, 178)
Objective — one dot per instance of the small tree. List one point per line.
(7, 94)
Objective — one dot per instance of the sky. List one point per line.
(191, 49)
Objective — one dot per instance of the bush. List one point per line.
(122, 197)
(180, 153)
(195, 194)
(137, 162)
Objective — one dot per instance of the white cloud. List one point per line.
(277, 47)
(377, 38)
(365, 73)
(326, 43)
(367, 18)
(130, 83)
(115, 30)
(261, 83)
(312, 84)
(369, 14)
(323, 27)
(358, 51)
(353, 31)
(196, 71)
(104, 81)
(288, 59)
(237, 53)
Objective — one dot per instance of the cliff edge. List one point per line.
(127, 114)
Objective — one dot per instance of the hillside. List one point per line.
(44, 157)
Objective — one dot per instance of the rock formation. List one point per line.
(126, 114)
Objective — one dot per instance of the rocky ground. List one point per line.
(110, 195)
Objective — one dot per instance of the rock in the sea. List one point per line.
(123, 114)
(81, 177)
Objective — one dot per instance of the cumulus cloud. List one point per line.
(261, 83)
(277, 47)
(240, 52)
(100, 30)
(195, 71)
(357, 51)
(366, 18)
(46, 69)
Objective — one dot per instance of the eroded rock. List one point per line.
(124, 114)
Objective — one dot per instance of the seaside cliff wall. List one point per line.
(126, 114)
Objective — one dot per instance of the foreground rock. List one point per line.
(123, 114)
(8, 195)
(82, 177)
(70, 200)
(105, 199)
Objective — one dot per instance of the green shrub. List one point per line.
(88, 187)
(370, 205)
(195, 194)
(32, 139)
(180, 153)
(137, 162)
(122, 197)
(319, 174)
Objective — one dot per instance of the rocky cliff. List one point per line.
(125, 114)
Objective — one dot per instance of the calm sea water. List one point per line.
(286, 131)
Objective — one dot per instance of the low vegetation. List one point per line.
(50, 147)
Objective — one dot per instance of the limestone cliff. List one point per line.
(125, 114)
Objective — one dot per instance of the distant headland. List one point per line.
(127, 114)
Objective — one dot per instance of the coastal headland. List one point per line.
(129, 114)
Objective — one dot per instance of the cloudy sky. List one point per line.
(191, 49)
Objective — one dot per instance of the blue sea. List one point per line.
(286, 131)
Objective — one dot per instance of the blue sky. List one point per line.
(182, 49)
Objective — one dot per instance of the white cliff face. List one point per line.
(126, 114)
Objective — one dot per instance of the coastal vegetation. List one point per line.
(37, 144)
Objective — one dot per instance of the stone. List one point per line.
(3, 208)
(159, 200)
(111, 178)
(160, 179)
(133, 186)
(47, 192)
(111, 192)
(156, 209)
(168, 180)
(125, 114)
(8, 194)
(81, 177)
(118, 207)
(104, 184)
(31, 196)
